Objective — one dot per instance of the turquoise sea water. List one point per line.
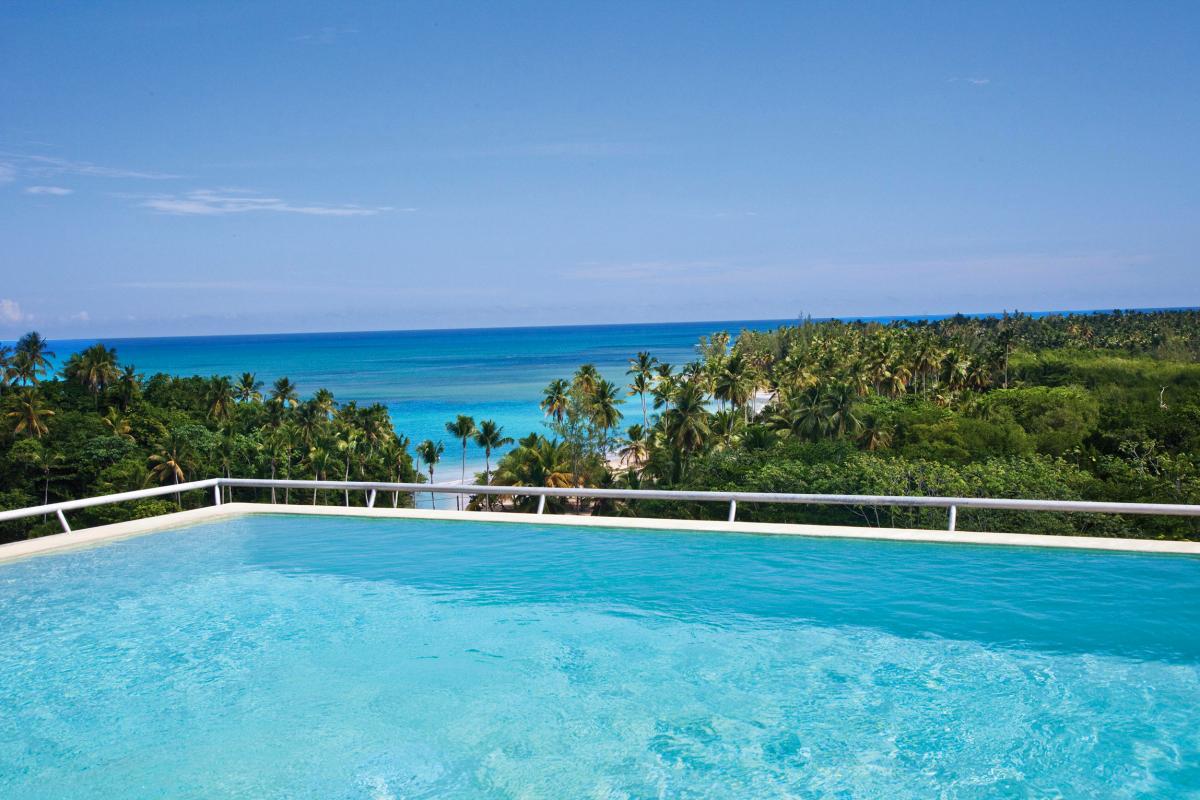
(426, 378)
(282, 657)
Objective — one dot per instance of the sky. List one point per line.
(202, 168)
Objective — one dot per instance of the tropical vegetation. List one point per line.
(1074, 406)
(100, 427)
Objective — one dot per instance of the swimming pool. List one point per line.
(276, 656)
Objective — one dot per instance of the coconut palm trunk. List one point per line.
(458, 498)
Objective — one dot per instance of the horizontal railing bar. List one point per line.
(746, 497)
(998, 504)
(106, 499)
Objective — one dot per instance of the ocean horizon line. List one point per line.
(758, 321)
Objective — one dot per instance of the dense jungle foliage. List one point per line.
(1071, 407)
(1080, 406)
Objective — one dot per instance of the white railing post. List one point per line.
(953, 517)
(217, 495)
(371, 499)
(541, 503)
(62, 520)
(732, 509)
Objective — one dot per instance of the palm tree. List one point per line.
(348, 444)
(735, 384)
(323, 400)
(166, 463)
(757, 437)
(635, 448)
(927, 361)
(376, 426)
(726, 424)
(226, 452)
(462, 428)
(287, 438)
(32, 454)
(805, 415)
(129, 385)
(284, 394)
(642, 364)
(586, 378)
(248, 388)
(556, 399)
(640, 385)
(897, 379)
(6, 373)
(664, 385)
(30, 414)
(220, 397)
(490, 436)
(876, 433)
(642, 370)
(603, 410)
(318, 462)
(273, 445)
(310, 422)
(118, 424)
(430, 452)
(395, 455)
(840, 400)
(95, 368)
(537, 461)
(32, 358)
(686, 424)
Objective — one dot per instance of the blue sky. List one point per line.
(178, 168)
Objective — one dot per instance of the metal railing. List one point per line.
(373, 488)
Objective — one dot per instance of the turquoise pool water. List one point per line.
(293, 657)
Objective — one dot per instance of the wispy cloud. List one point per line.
(217, 202)
(1039, 268)
(8, 173)
(51, 165)
(973, 81)
(11, 313)
(57, 191)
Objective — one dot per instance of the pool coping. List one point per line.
(89, 537)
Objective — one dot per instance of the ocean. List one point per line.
(426, 378)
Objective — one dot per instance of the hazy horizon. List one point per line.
(635, 323)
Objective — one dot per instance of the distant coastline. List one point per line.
(426, 376)
(713, 324)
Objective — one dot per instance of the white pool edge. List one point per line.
(89, 537)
